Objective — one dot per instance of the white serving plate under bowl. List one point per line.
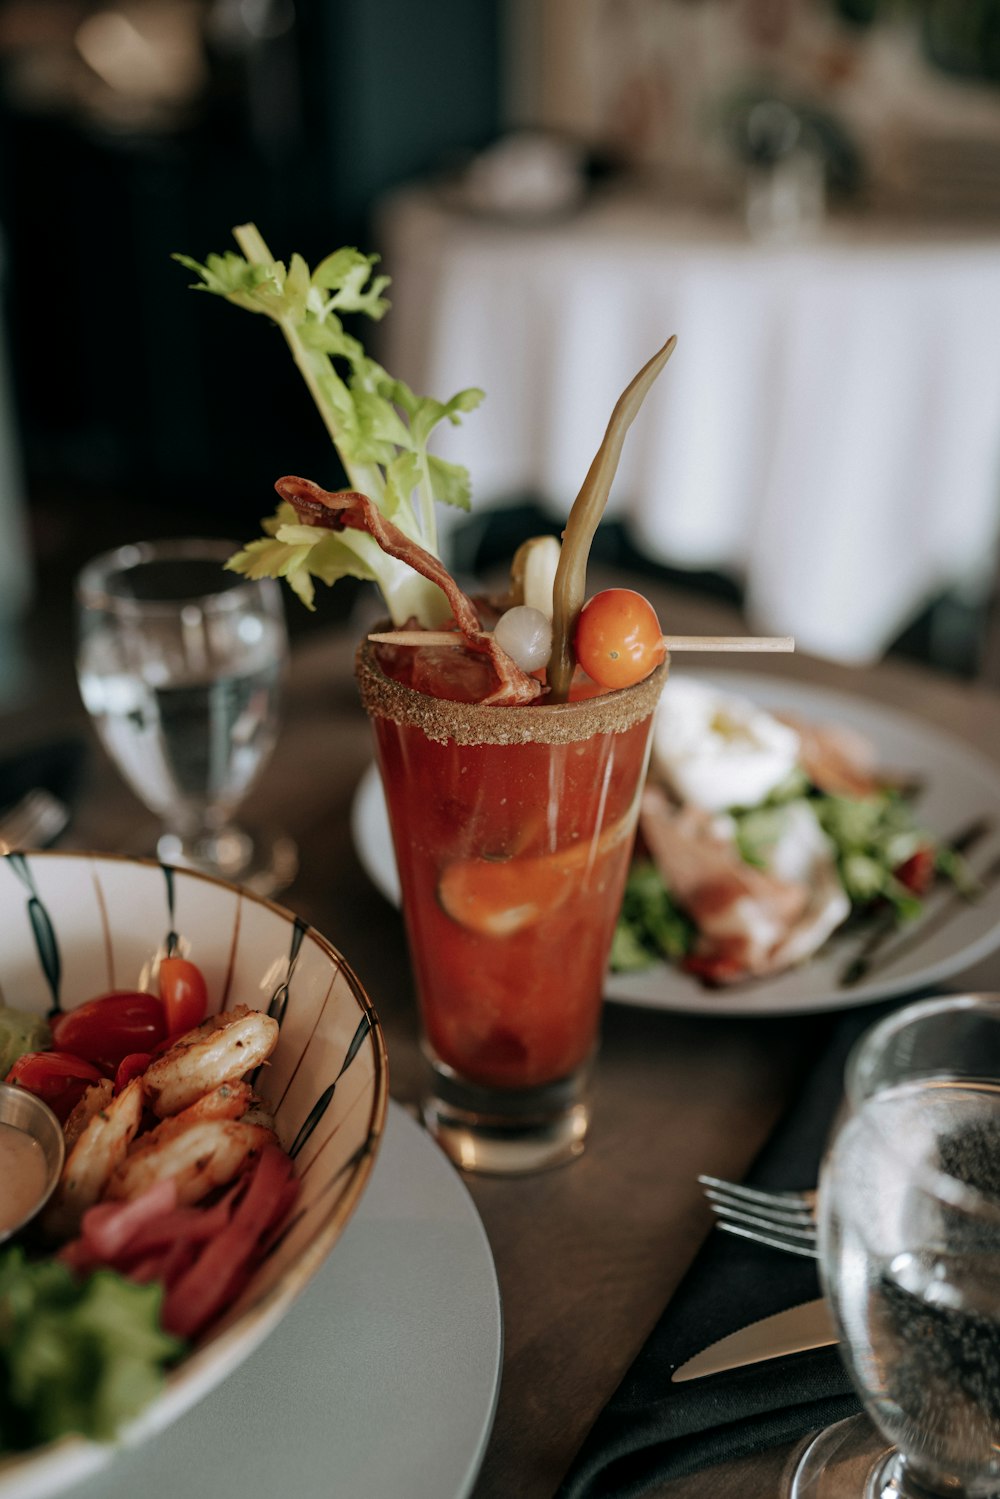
(78, 925)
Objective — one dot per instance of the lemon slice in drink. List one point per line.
(500, 897)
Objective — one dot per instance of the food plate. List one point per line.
(381, 1382)
(959, 785)
(78, 925)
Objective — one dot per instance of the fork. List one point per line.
(781, 1220)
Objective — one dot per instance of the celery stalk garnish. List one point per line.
(379, 428)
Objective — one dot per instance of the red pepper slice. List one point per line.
(134, 1065)
(57, 1077)
(917, 872)
(106, 1029)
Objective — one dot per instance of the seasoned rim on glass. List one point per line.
(442, 719)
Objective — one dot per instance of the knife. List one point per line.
(792, 1331)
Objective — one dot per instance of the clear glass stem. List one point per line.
(852, 1460)
(895, 1480)
(226, 850)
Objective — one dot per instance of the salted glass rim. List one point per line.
(476, 723)
(94, 588)
(940, 1184)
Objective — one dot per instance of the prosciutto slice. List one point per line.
(838, 760)
(348, 510)
(750, 921)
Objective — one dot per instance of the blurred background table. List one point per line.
(587, 1256)
(827, 433)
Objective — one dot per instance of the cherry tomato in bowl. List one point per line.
(618, 640)
(134, 1065)
(108, 1028)
(184, 994)
(57, 1077)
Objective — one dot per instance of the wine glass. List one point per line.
(180, 665)
(909, 1241)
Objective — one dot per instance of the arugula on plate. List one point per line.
(875, 840)
(651, 926)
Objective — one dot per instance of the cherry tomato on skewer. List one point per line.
(618, 640)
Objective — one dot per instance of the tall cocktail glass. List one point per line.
(513, 829)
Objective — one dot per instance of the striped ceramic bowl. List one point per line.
(77, 925)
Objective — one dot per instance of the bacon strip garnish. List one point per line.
(349, 510)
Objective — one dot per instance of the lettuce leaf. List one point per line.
(651, 927)
(75, 1356)
(20, 1032)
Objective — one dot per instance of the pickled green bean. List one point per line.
(571, 576)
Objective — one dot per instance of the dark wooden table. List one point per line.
(587, 1256)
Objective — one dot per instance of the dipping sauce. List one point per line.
(23, 1176)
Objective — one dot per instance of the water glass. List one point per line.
(910, 1259)
(180, 665)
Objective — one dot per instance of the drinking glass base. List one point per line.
(507, 1132)
(850, 1460)
(264, 862)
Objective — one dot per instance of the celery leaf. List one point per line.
(379, 427)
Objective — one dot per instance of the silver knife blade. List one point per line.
(793, 1331)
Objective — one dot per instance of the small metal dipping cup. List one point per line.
(24, 1111)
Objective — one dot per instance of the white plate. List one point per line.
(382, 1380)
(959, 786)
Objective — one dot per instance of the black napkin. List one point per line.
(651, 1430)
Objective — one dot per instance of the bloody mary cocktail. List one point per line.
(513, 829)
(512, 820)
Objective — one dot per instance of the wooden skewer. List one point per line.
(729, 642)
(672, 642)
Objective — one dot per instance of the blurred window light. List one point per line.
(240, 24)
(145, 51)
(267, 19)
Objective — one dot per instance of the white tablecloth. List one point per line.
(828, 430)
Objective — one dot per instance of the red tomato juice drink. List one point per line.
(513, 829)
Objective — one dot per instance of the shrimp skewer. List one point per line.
(222, 1050)
(96, 1098)
(99, 1150)
(203, 1147)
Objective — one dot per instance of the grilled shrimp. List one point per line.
(100, 1148)
(222, 1050)
(204, 1146)
(96, 1098)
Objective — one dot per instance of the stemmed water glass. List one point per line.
(180, 665)
(909, 1239)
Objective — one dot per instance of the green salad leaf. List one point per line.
(378, 426)
(651, 927)
(872, 838)
(20, 1032)
(75, 1356)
